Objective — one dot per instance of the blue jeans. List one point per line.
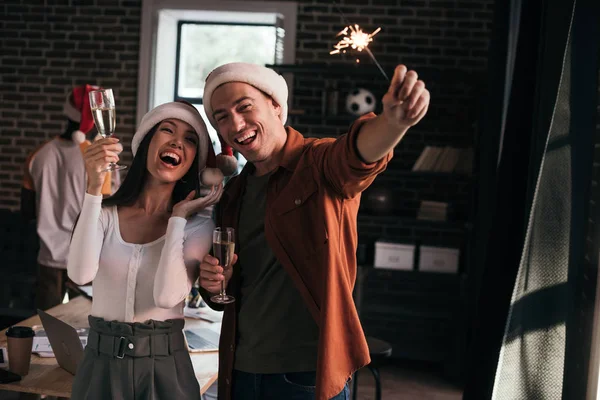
(290, 386)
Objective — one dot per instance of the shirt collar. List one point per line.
(292, 149)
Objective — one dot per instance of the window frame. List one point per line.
(180, 23)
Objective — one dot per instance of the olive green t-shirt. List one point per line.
(276, 332)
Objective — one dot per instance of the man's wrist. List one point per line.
(391, 124)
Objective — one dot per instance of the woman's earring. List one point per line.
(182, 181)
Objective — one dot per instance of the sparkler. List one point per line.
(355, 38)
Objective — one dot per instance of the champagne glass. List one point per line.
(102, 104)
(223, 248)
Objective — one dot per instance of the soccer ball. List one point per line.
(360, 101)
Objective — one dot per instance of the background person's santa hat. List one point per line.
(262, 78)
(77, 109)
(226, 161)
(209, 173)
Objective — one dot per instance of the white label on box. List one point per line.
(394, 256)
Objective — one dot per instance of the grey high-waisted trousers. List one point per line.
(127, 361)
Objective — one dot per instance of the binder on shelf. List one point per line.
(433, 160)
(433, 211)
(450, 159)
(421, 160)
(439, 163)
(445, 159)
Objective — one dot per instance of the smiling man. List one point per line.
(293, 332)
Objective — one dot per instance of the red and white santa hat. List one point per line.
(262, 78)
(184, 111)
(77, 109)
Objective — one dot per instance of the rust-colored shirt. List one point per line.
(310, 224)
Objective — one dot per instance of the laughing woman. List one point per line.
(141, 248)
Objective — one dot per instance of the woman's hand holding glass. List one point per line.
(102, 104)
(97, 157)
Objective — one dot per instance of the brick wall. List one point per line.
(50, 46)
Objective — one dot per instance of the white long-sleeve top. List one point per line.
(136, 282)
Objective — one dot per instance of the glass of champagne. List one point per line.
(102, 104)
(223, 248)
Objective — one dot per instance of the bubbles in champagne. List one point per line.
(224, 252)
(105, 120)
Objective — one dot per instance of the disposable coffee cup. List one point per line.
(19, 343)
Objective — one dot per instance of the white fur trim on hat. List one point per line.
(69, 109)
(262, 78)
(78, 136)
(181, 111)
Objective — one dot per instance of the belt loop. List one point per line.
(169, 338)
(151, 344)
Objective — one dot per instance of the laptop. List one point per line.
(201, 340)
(64, 340)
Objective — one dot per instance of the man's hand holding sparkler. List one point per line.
(404, 105)
(406, 101)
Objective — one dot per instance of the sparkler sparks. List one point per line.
(356, 39)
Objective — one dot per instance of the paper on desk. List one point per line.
(45, 354)
(87, 289)
(203, 313)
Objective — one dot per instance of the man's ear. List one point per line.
(276, 107)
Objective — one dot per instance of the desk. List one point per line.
(46, 377)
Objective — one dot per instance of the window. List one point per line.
(203, 46)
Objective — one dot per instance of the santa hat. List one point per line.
(185, 112)
(262, 78)
(77, 109)
(225, 161)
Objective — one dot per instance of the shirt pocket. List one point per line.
(299, 218)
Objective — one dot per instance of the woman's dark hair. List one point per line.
(72, 126)
(135, 179)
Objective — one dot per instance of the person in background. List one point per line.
(141, 248)
(293, 331)
(52, 193)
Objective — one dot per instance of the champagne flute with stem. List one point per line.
(223, 249)
(102, 104)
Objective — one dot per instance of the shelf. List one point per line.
(415, 276)
(329, 69)
(397, 310)
(307, 118)
(426, 174)
(369, 70)
(412, 221)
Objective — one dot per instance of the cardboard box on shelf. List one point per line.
(438, 259)
(394, 256)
